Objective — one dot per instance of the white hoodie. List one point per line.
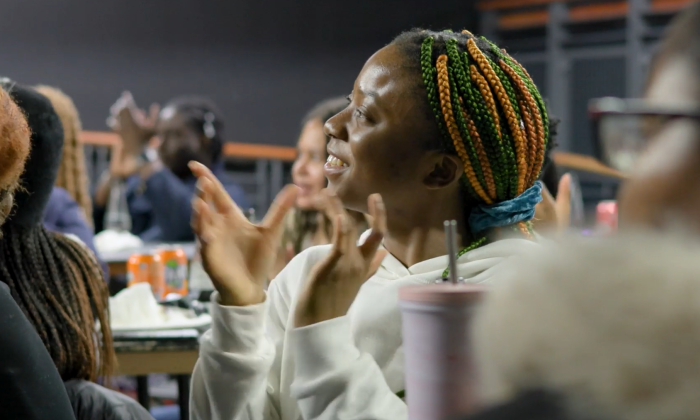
(254, 365)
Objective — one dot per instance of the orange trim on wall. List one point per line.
(510, 4)
(259, 151)
(592, 12)
(523, 20)
(231, 150)
(99, 138)
(669, 6)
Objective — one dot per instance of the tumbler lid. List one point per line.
(443, 293)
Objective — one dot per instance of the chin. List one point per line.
(351, 198)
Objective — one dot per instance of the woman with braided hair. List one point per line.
(30, 386)
(440, 126)
(56, 280)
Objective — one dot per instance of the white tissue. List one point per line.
(135, 308)
(114, 241)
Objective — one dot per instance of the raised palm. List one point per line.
(236, 254)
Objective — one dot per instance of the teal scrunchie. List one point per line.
(520, 208)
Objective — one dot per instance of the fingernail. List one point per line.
(379, 202)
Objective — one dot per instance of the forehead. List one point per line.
(386, 79)
(675, 81)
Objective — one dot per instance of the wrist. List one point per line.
(308, 313)
(147, 169)
(253, 296)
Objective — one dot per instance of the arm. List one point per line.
(237, 375)
(102, 190)
(333, 379)
(71, 221)
(30, 387)
(332, 376)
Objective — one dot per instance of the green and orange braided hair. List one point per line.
(487, 109)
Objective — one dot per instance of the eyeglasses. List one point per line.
(622, 128)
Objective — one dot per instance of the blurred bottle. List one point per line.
(117, 216)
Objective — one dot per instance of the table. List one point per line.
(117, 260)
(174, 352)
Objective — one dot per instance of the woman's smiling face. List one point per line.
(381, 142)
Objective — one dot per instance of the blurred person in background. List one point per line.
(663, 190)
(307, 224)
(56, 280)
(69, 209)
(593, 328)
(30, 386)
(430, 134)
(159, 185)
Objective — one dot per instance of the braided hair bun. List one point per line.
(487, 109)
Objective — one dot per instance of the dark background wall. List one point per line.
(264, 62)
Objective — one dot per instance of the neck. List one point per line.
(419, 234)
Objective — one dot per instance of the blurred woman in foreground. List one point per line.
(595, 329)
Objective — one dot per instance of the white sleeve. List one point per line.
(334, 380)
(238, 372)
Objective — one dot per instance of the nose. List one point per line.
(300, 166)
(336, 126)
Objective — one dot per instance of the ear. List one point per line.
(445, 170)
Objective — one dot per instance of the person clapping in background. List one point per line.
(159, 185)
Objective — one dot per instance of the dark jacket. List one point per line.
(30, 386)
(161, 207)
(94, 402)
(63, 215)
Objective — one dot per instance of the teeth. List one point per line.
(334, 161)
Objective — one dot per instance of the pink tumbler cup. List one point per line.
(436, 322)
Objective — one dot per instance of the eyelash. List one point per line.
(357, 112)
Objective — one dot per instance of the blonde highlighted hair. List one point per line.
(72, 175)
